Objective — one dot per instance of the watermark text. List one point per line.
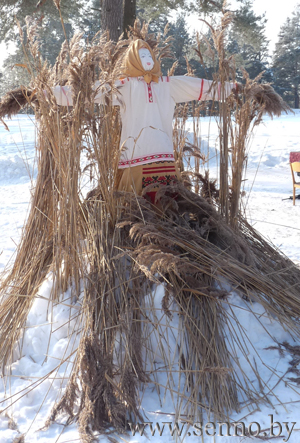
(211, 429)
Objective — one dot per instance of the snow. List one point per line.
(37, 377)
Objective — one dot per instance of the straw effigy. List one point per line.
(119, 249)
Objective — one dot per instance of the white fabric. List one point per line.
(146, 59)
(147, 113)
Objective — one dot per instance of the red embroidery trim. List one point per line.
(146, 159)
(150, 95)
(160, 180)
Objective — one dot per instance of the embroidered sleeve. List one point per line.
(184, 89)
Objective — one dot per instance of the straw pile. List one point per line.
(118, 249)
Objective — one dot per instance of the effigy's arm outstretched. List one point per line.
(64, 95)
(184, 89)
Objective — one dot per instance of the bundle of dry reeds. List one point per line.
(119, 249)
(237, 118)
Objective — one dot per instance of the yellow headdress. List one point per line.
(132, 65)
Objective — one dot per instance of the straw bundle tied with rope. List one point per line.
(114, 250)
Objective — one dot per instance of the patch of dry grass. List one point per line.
(119, 248)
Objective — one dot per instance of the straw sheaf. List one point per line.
(113, 249)
(32, 26)
(15, 100)
(218, 34)
(246, 110)
(267, 99)
(214, 237)
(209, 189)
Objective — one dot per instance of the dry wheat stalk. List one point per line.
(237, 118)
(118, 248)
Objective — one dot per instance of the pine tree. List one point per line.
(286, 61)
(51, 35)
(180, 44)
(129, 14)
(43, 10)
(153, 10)
(112, 18)
(91, 21)
(248, 42)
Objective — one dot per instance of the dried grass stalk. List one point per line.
(237, 118)
(112, 248)
(16, 100)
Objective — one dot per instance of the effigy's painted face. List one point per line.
(146, 59)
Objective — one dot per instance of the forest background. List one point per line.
(246, 39)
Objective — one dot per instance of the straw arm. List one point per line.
(13, 101)
(265, 97)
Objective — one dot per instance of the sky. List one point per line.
(276, 14)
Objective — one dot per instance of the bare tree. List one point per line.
(112, 17)
(129, 14)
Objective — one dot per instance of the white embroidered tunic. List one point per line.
(147, 113)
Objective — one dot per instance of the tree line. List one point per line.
(246, 38)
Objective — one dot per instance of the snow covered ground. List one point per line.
(267, 184)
